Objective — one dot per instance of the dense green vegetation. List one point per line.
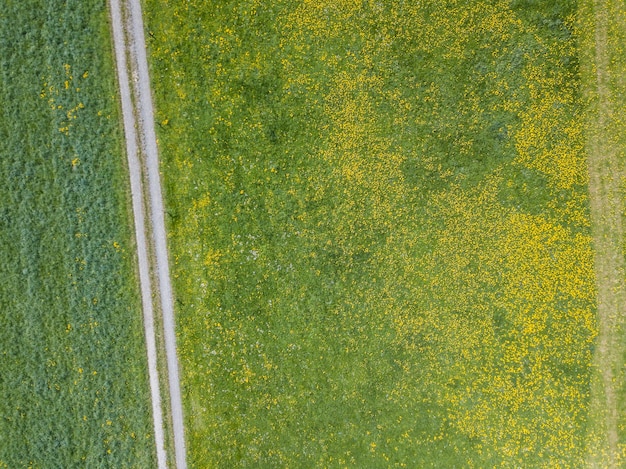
(73, 379)
(380, 231)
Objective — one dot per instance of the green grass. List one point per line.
(379, 230)
(616, 134)
(603, 41)
(73, 377)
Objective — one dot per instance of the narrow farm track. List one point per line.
(605, 173)
(143, 160)
(134, 166)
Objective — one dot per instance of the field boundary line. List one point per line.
(135, 176)
(149, 148)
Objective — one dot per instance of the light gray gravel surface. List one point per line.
(141, 147)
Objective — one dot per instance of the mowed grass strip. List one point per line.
(73, 378)
(603, 38)
(380, 231)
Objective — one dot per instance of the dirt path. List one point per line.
(143, 163)
(605, 172)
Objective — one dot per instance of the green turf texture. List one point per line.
(379, 231)
(73, 374)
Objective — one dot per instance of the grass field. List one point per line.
(73, 379)
(380, 231)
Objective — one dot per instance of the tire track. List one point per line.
(605, 172)
(141, 147)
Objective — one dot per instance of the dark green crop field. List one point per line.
(380, 231)
(73, 378)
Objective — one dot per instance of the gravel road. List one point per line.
(141, 147)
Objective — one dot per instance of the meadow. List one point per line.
(380, 231)
(73, 375)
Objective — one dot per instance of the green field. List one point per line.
(380, 230)
(73, 378)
